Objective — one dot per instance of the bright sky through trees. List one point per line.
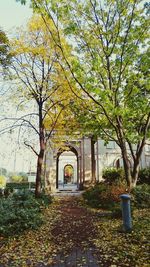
(12, 15)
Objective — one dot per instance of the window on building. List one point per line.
(110, 145)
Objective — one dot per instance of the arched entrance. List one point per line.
(68, 174)
(67, 169)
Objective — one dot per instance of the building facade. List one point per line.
(82, 161)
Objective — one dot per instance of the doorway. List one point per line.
(68, 174)
(67, 170)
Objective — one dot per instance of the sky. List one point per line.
(13, 15)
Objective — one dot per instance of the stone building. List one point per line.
(81, 161)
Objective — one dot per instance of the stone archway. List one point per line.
(67, 157)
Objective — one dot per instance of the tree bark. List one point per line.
(41, 153)
(39, 174)
(135, 172)
(136, 165)
(123, 147)
(127, 167)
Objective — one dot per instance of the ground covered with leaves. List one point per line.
(74, 235)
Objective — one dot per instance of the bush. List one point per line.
(23, 185)
(141, 196)
(24, 176)
(93, 195)
(24, 212)
(44, 199)
(113, 175)
(104, 196)
(8, 191)
(1, 192)
(2, 181)
(144, 176)
(17, 178)
(17, 186)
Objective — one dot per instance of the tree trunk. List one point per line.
(127, 166)
(41, 153)
(123, 147)
(135, 173)
(39, 173)
(136, 166)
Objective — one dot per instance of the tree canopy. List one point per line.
(110, 41)
(37, 76)
(110, 65)
(4, 51)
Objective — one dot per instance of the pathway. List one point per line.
(73, 233)
(74, 236)
(64, 240)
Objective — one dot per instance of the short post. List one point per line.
(126, 212)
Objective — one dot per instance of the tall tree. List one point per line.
(110, 41)
(110, 66)
(37, 77)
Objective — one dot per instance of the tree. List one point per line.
(4, 51)
(36, 75)
(109, 65)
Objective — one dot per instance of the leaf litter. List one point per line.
(73, 233)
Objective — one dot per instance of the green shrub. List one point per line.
(17, 178)
(23, 185)
(26, 197)
(141, 196)
(8, 191)
(144, 176)
(32, 185)
(22, 195)
(17, 185)
(113, 175)
(44, 199)
(104, 196)
(93, 195)
(2, 181)
(24, 176)
(1, 192)
(20, 212)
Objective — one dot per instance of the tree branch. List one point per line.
(28, 145)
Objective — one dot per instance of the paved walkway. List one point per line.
(77, 257)
(73, 234)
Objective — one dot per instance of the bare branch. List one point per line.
(28, 145)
